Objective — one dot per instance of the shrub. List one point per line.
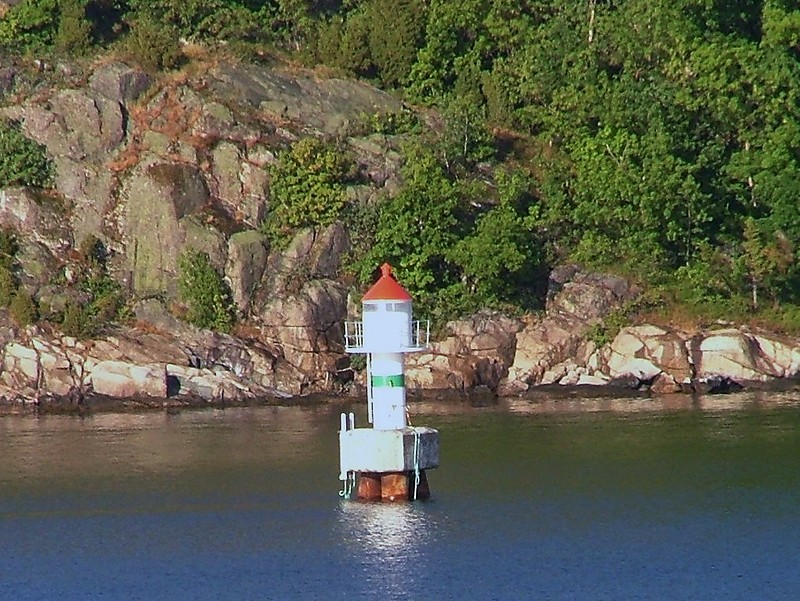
(74, 33)
(8, 248)
(107, 300)
(154, 46)
(207, 296)
(22, 308)
(307, 187)
(23, 162)
(8, 253)
(604, 332)
(403, 121)
(77, 322)
(30, 25)
(7, 287)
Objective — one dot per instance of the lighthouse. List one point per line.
(386, 461)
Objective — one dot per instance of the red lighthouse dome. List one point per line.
(386, 288)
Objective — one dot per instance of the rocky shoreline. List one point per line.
(541, 399)
(162, 363)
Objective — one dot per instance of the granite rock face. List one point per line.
(156, 168)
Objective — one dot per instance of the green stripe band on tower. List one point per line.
(389, 381)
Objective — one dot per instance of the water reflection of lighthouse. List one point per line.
(388, 460)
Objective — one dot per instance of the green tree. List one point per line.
(766, 256)
(466, 139)
(500, 258)
(345, 44)
(418, 227)
(396, 29)
(378, 39)
(293, 24)
(781, 25)
(450, 32)
(201, 20)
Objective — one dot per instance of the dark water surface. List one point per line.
(581, 499)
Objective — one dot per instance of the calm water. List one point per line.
(581, 499)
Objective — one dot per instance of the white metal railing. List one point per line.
(353, 334)
(419, 336)
(420, 333)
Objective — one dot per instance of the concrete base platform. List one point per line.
(385, 451)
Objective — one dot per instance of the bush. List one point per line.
(30, 25)
(8, 254)
(107, 300)
(22, 308)
(205, 293)
(77, 322)
(403, 121)
(23, 162)
(74, 34)
(307, 187)
(8, 248)
(604, 332)
(8, 287)
(154, 46)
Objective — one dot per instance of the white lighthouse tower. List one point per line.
(388, 460)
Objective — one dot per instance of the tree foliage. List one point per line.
(362, 43)
(417, 227)
(658, 137)
(500, 259)
(200, 19)
(766, 257)
(455, 247)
